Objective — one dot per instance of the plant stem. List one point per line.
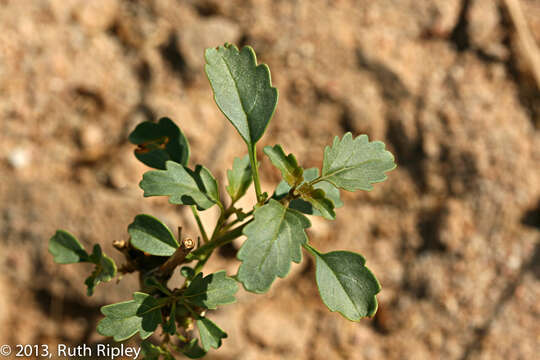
(314, 181)
(236, 221)
(199, 223)
(200, 265)
(255, 171)
(205, 250)
(177, 258)
(310, 249)
(193, 313)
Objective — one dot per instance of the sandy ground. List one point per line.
(453, 235)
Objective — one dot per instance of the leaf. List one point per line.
(242, 89)
(239, 178)
(153, 352)
(187, 272)
(212, 290)
(150, 351)
(290, 171)
(150, 235)
(330, 190)
(192, 350)
(182, 186)
(210, 334)
(123, 320)
(282, 189)
(356, 164)
(160, 142)
(104, 271)
(345, 284)
(320, 199)
(273, 240)
(170, 325)
(66, 249)
(152, 283)
(207, 183)
(168, 356)
(316, 202)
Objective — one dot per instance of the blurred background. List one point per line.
(451, 86)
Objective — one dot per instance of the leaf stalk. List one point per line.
(255, 171)
(199, 223)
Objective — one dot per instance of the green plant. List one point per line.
(274, 227)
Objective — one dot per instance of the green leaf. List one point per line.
(160, 142)
(330, 191)
(345, 284)
(150, 235)
(168, 356)
(210, 333)
(184, 187)
(153, 352)
(170, 326)
(66, 249)
(207, 183)
(242, 89)
(282, 189)
(104, 271)
(274, 239)
(318, 203)
(150, 351)
(211, 291)
(151, 283)
(192, 350)
(239, 178)
(187, 272)
(290, 171)
(356, 164)
(319, 199)
(181, 310)
(123, 320)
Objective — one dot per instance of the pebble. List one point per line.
(19, 158)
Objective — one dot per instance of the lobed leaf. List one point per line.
(207, 183)
(66, 249)
(153, 352)
(331, 192)
(104, 271)
(319, 203)
(239, 178)
(319, 199)
(242, 89)
(210, 334)
(123, 320)
(187, 272)
(150, 235)
(183, 187)
(150, 351)
(192, 350)
(290, 171)
(211, 291)
(170, 326)
(345, 284)
(274, 239)
(160, 142)
(354, 164)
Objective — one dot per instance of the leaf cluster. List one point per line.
(274, 227)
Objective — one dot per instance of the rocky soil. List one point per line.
(453, 235)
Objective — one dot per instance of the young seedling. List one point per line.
(274, 227)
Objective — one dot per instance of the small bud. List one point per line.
(188, 243)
